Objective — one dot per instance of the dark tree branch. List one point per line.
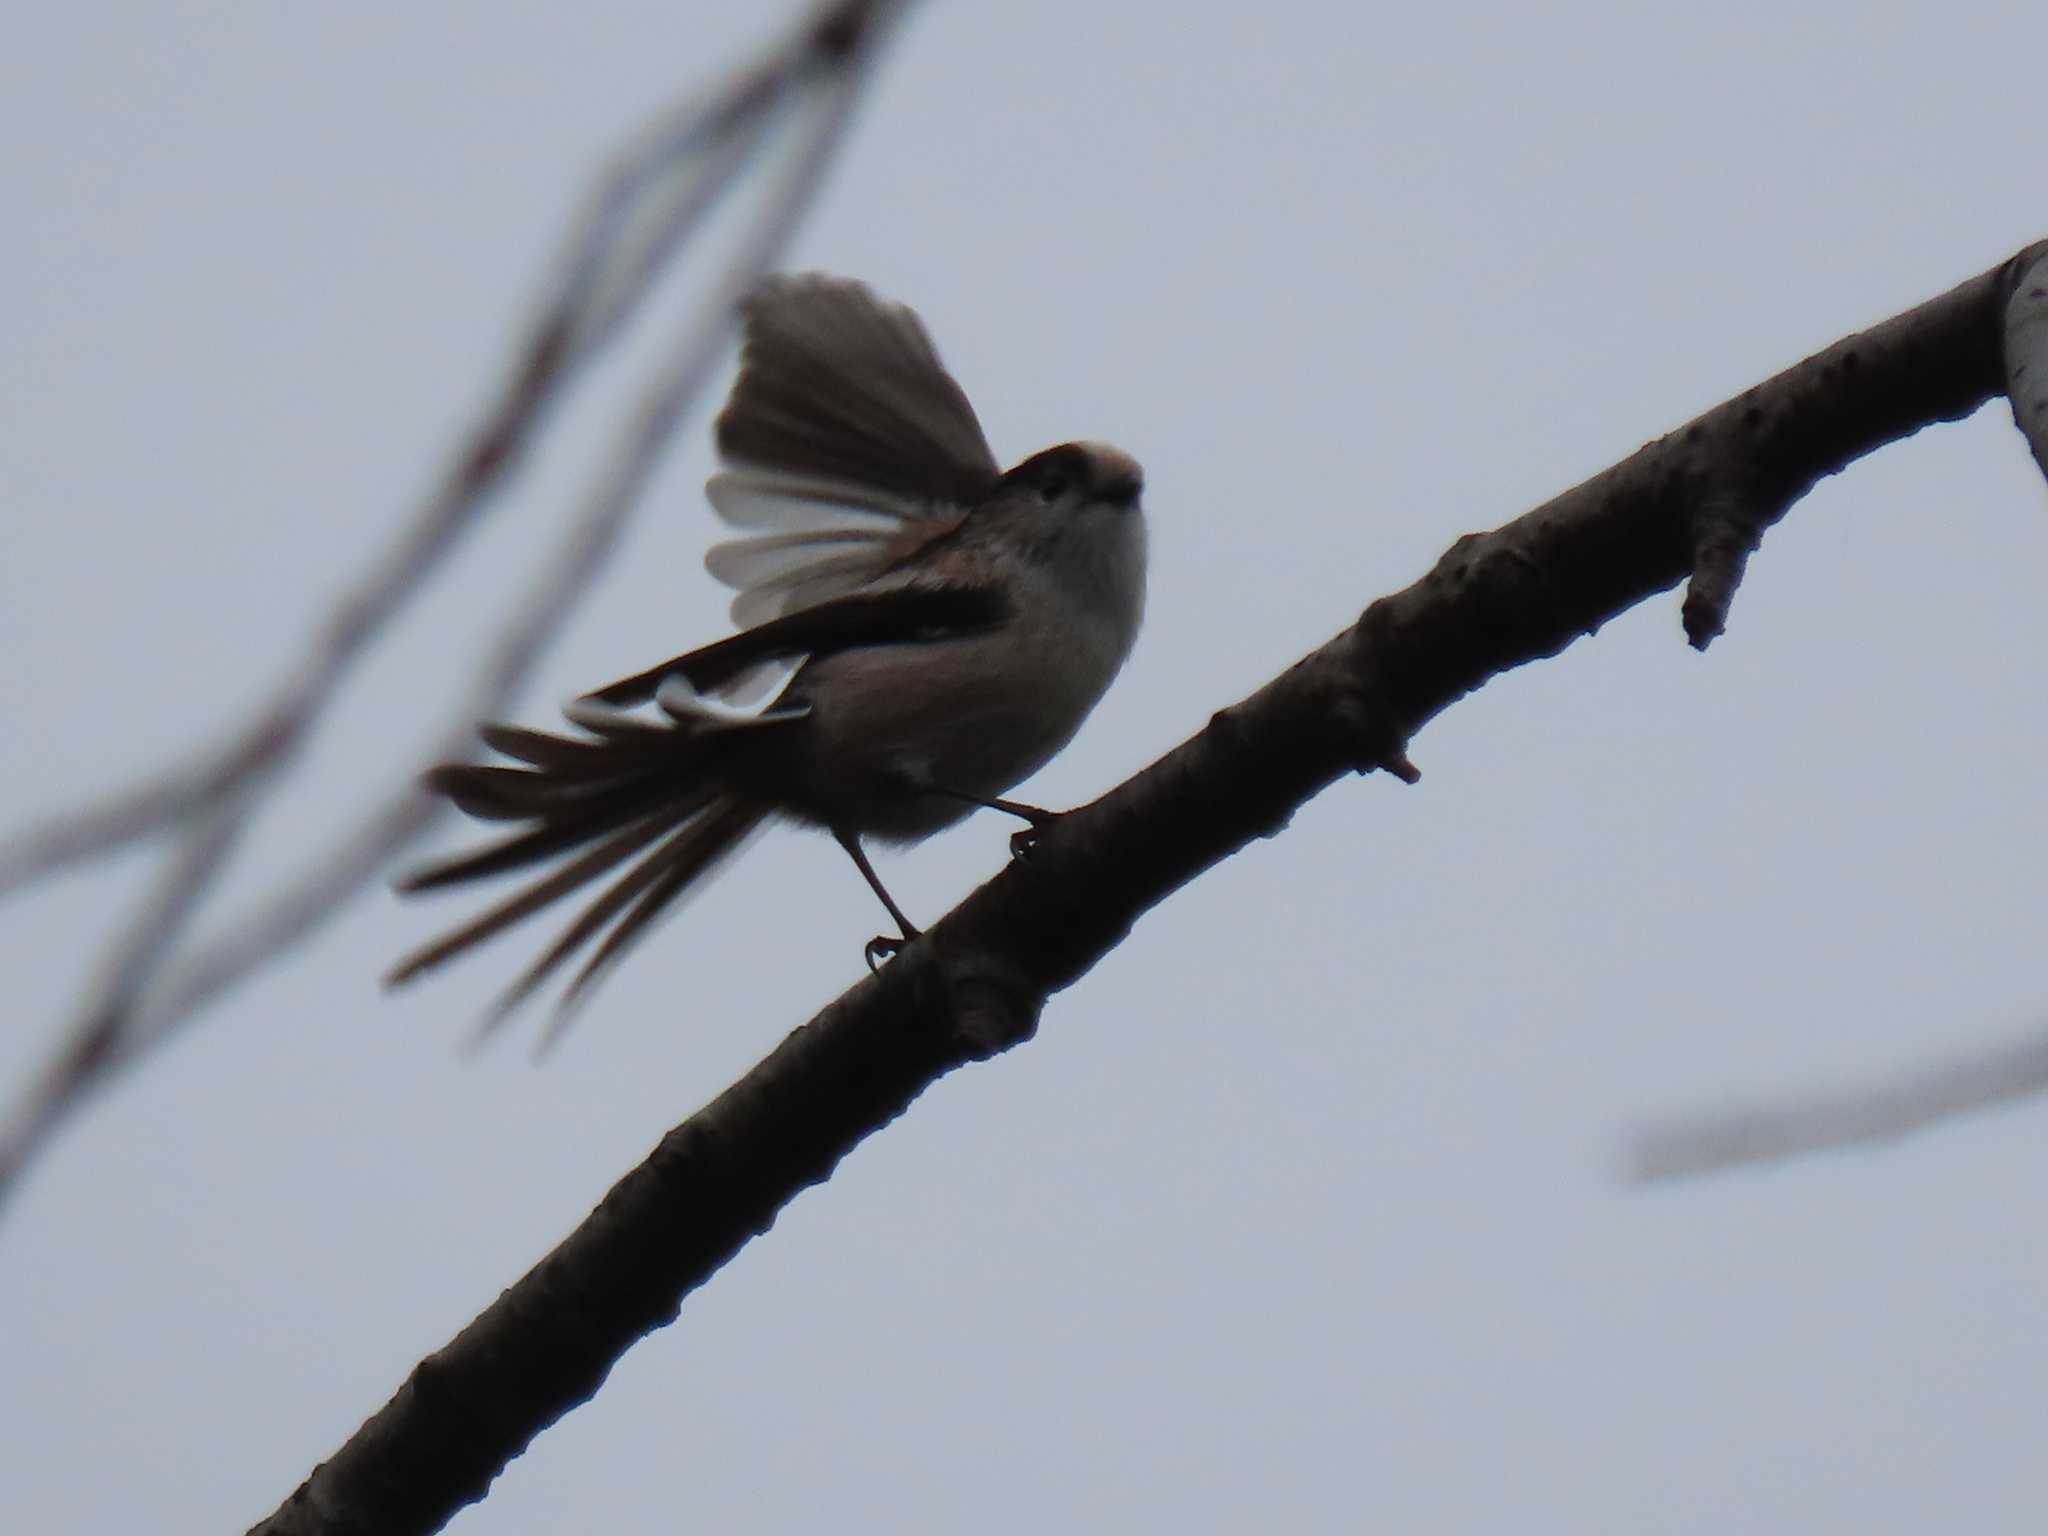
(976, 982)
(2026, 352)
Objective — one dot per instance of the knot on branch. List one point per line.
(1359, 705)
(1724, 525)
(986, 1005)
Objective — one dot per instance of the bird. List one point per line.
(919, 630)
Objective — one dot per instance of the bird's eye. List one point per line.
(1050, 491)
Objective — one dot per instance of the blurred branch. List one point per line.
(977, 981)
(2026, 354)
(644, 209)
(1881, 1111)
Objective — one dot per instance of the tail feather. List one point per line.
(529, 794)
(555, 833)
(542, 749)
(642, 892)
(685, 861)
(589, 921)
(606, 855)
(636, 794)
(492, 794)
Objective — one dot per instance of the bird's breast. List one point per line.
(973, 713)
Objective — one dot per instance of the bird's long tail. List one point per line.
(637, 795)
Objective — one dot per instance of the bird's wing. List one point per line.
(847, 446)
(892, 616)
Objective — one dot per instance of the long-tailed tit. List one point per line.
(925, 629)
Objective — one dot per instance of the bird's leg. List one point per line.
(1020, 842)
(881, 947)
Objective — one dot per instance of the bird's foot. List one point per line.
(883, 948)
(1024, 840)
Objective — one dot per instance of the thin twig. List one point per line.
(99, 1039)
(1791, 1126)
(647, 205)
(355, 861)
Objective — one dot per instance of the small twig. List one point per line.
(647, 205)
(98, 1040)
(603, 277)
(1727, 526)
(2026, 352)
(172, 796)
(1789, 1127)
(565, 577)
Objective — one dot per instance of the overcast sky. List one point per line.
(1302, 1211)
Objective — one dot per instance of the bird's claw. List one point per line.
(1025, 839)
(882, 948)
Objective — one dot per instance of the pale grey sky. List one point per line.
(1300, 1212)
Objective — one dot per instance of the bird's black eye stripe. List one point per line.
(1050, 476)
(1124, 491)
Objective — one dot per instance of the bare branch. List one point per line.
(976, 982)
(567, 574)
(1833, 1121)
(2026, 354)
(647, 205)
(98, 1038)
